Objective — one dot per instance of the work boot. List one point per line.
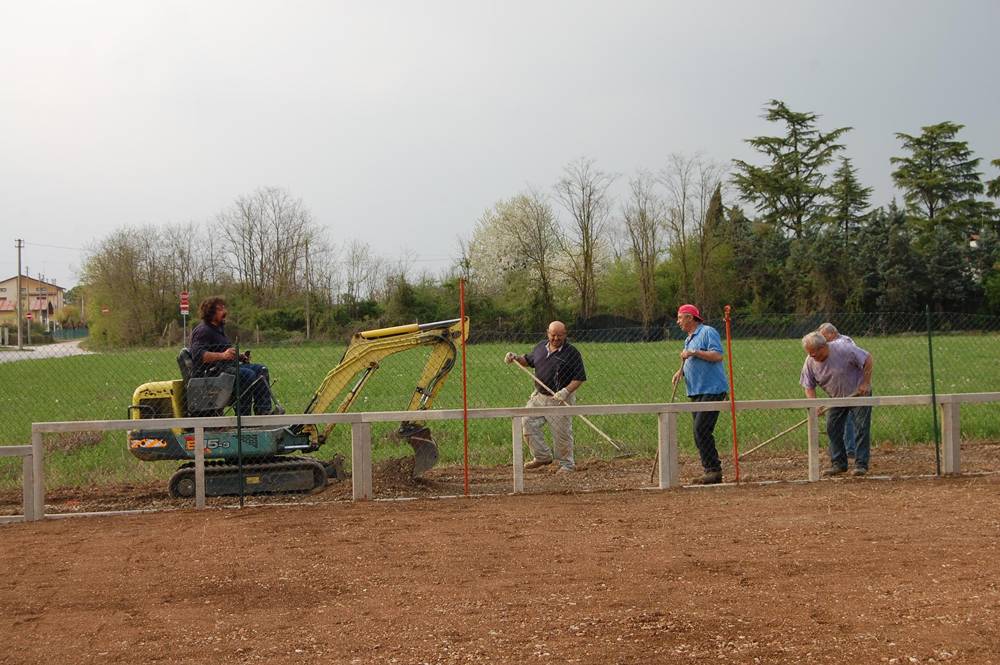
(276, 410)
(535, 464)
(833, 471)
(709, 478)
(564, 469)
(860, 471)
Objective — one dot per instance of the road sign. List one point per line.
(185, 303)
(105, 310)
(28, 316)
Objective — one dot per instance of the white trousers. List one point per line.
(561, 427)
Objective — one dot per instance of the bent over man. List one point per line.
(559, 366)
(842, 370)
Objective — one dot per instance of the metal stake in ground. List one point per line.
(622, 452)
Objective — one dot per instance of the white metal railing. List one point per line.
(26, 453)
(361, 443)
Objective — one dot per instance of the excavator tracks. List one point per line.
(302, 474)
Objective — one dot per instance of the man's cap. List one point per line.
(690, 309)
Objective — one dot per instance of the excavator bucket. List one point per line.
(425, 451)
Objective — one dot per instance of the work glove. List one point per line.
(509, 358)
(562, 395)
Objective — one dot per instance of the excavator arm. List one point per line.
(364, 355)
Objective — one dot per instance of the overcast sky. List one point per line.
(399, 123)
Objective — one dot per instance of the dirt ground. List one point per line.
(899, 570)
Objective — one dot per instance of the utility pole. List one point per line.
(307, 290)
(19, 244)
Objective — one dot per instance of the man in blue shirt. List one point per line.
(705, 380)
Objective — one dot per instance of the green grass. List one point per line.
(100, 387)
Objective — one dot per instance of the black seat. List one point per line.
(204, 395)
(185, 361)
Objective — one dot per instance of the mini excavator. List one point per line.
(270, 466)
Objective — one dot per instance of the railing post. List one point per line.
(38, 476)
(951, 437)
(361, 461)
(517, 445)
(813, 428)
(669, 469)
(28, 487)
(199, 467)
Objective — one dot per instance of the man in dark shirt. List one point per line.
(559, 366)
(213, 353)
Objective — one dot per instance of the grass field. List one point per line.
(100, 386)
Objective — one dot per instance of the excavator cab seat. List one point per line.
(204, 395)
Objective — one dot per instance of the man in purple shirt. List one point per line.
(833, 336)
(841, 370)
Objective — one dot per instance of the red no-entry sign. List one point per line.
(185, 308)
(28, 316)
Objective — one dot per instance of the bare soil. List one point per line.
(839, 571)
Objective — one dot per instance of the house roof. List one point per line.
(40, 281)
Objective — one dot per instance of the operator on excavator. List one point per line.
(213, 354)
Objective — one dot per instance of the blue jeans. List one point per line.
(258, 396)
(849, 442)
(861, 419)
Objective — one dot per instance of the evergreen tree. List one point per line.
(849, 201)
(993, 186)
(940, 178)
(899, 267)
(789, 191)
(949, 283)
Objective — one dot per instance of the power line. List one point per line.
(38, 244)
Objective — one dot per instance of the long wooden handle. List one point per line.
(781, 434)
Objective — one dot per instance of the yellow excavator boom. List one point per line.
(368, 348)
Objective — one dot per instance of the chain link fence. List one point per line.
(624, 365)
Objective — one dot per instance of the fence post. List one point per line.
(517, 445)
(199, 467)
(38, 473)
(952, 439)
(361, 461)
(813, 444)
(667, 441)
(28, 487)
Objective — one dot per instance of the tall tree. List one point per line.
(993, 186)
(517, 237)
(583, 191)
(264, 240)
(643, 216)
(940, 177)
(849, 201)
(789, 191)
(694, 214)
